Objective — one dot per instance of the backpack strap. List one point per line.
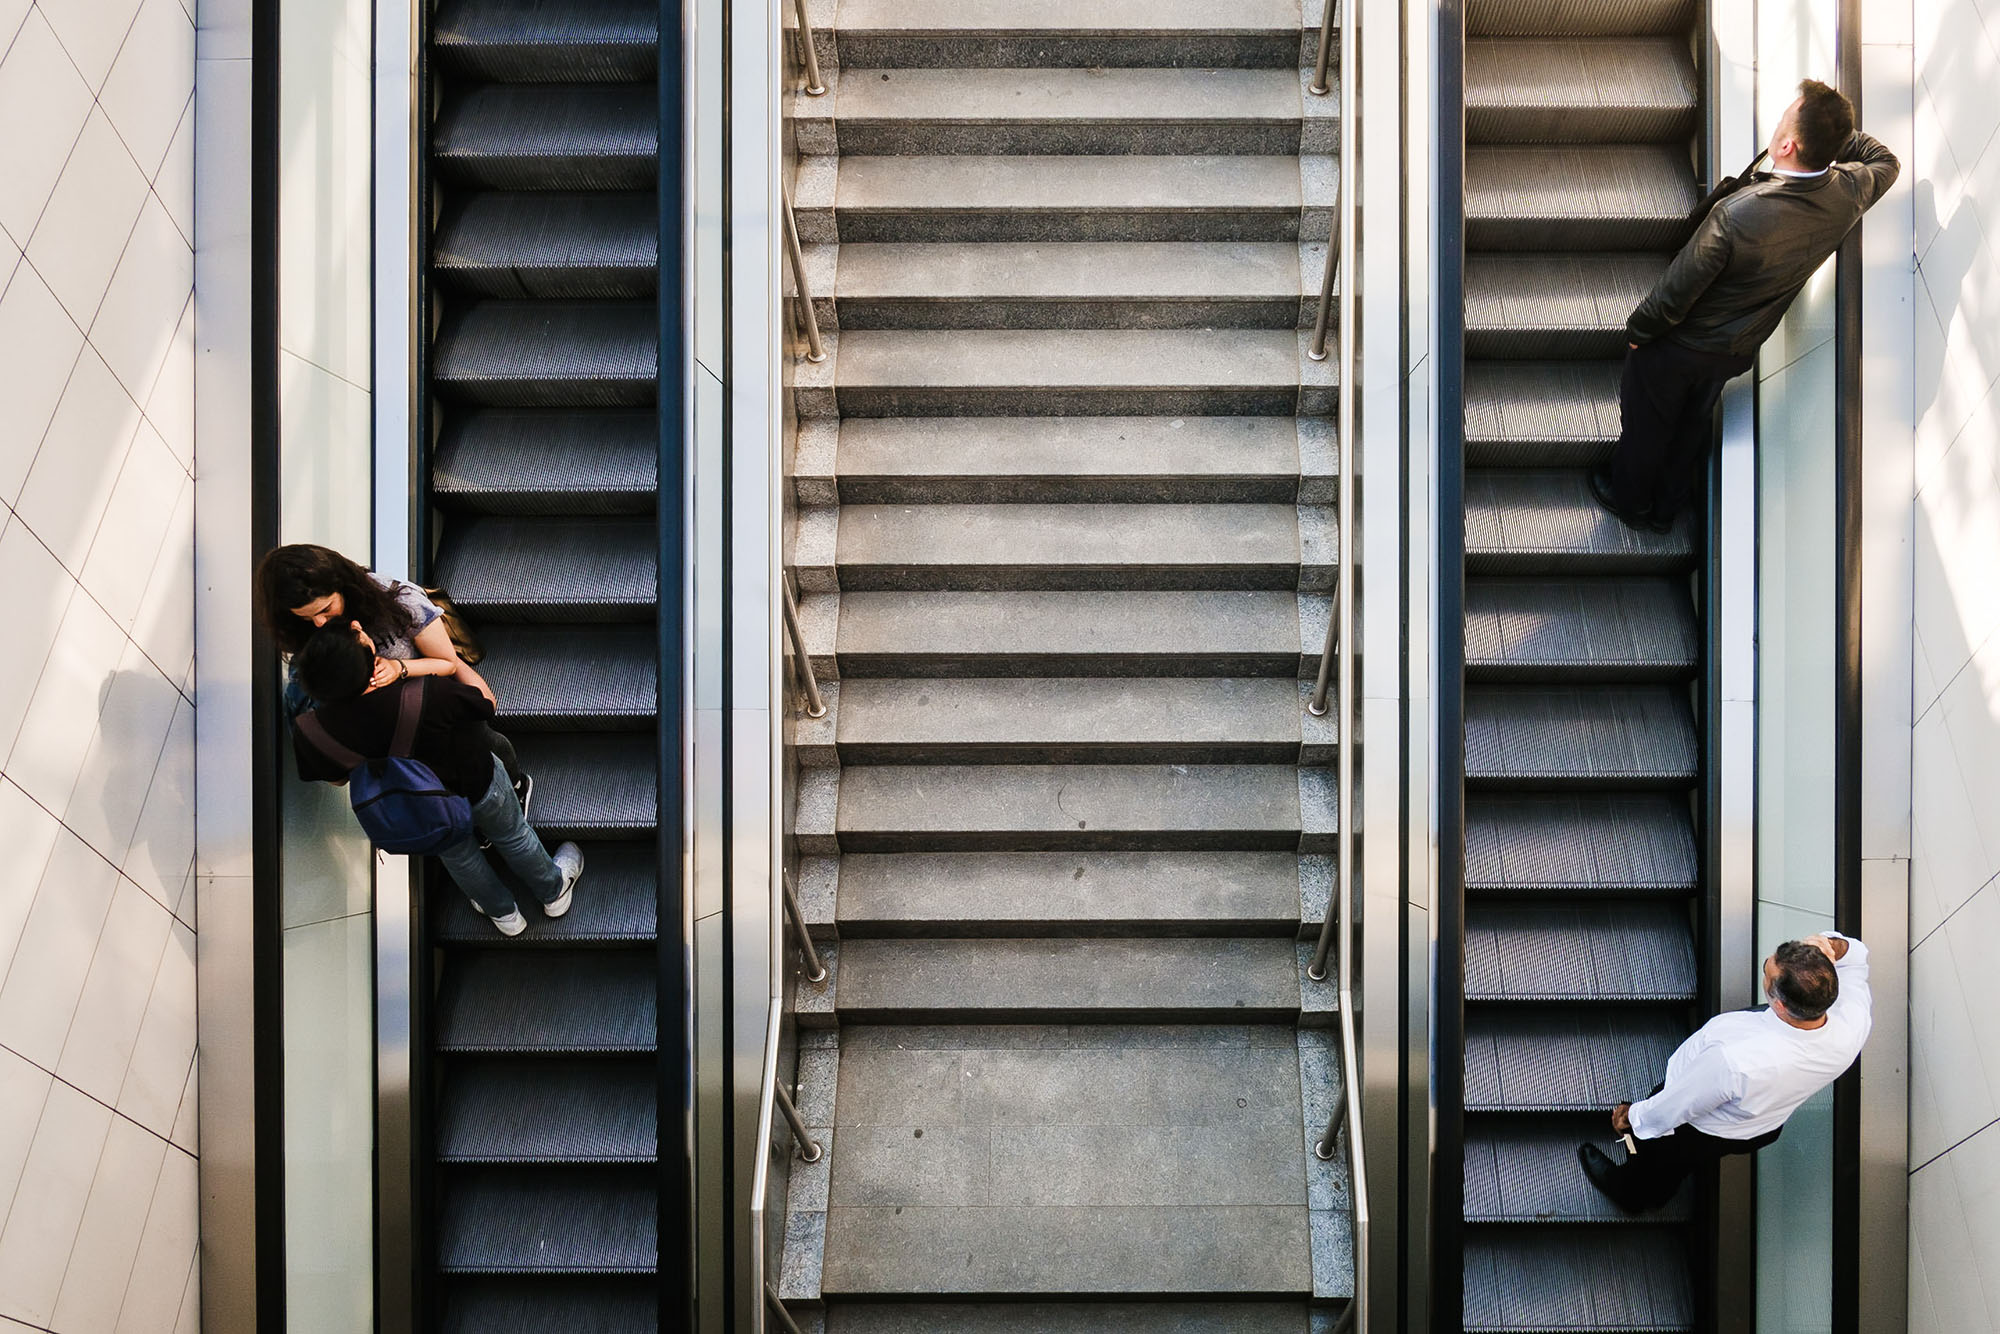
(409, 708)
(322, 741)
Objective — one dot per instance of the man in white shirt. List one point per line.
(1730, 1088)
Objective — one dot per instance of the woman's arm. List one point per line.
(434, 642)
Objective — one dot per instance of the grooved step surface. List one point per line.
(1517, 1173)
(1576, 1060)
(523, 1001)
(552, 569)
(1578, 18)
(1068, 546)
(1546, 521)
(550, 137)
(548, 1219)
(1599, 735)
(549, 244)
(1032, 808)
(587, 676)
(1552, 413)
(1069, 633)
(530, 461)
(598, 1303)
(511, 1109)
(1070, 1318)
(549, 354)
(1199, 720)
(1586, 952)
(1627, 1279)
(1596, 197)
(1023, 980)
(1579, 629)
(1534, 306)
(1579, 89)
(1027, 893)
(1579, 845)
(537, 41)
(616, 902)
(587, 785)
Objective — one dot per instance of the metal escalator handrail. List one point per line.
(1339, 648)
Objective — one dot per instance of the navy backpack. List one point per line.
(402, 805)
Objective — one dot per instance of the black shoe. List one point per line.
(1603, 1174)
(1640, 520)
(524, 790)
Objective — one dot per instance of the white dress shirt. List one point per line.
(1743, 1073)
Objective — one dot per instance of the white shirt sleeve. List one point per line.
(1704, 1085)
(1856, 1003)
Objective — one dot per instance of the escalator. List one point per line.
(539, 1093)
(1582, 744)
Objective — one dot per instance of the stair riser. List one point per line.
(1531, 782)
(1578, 563)
(635, 282)
(1575, 233)
(550, 61)
(1221, 223)
(965, 49)
(1073, 928)
(860, 667)
(574, 722)
(1063, 136)
(1070, 752)
(1570, 453)
(545, 502)
(1581, 672)
(1578, 125)
(1041, 401)
(540, 392)
(559, 613)
(1165, 1014)
(555, 171)
(1496, 344)
(1246, 311)
(1607, 18)
(991, 578)
(1092, 840)
(1063, 490)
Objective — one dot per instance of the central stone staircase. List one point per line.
(1064, 544)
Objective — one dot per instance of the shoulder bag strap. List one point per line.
(409, 709)
(315, 732)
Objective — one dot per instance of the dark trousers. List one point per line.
(1649, 1178)
(503, 750)
(1667, 404)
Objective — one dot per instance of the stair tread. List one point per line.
(1569, 181)
(1093, 96)
(527, 1000)
(549, 243)
(616, 901)
(1539, 627)
(532, 1304)
(1576, 734)
(1069, 1318)
(1595, 1278)
(592, 784)
(548, 1220)
(548, 458)
(577, 39)
(1616, 843)
(508, 1109)
(1012, 711)
(1062, 16)
(549, 353)
(1577, 73)
(1080, 534)
(605, 136)
(609, 566)
(1075, 184)
(1074, 270)
(1517, 1173)
(1532, 520)
(1595, 951)
(1505, 293)
(1061, 358)
(1519, 1060)
(1067, 447)
(573, 674)
(907, 892)
(1540, 18)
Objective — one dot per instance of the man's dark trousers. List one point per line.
(1667, 401)
(1649, 1178)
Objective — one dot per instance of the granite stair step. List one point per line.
(1625, 90)
(1013, 34)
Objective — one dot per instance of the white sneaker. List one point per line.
(570, 858)
(513, 924)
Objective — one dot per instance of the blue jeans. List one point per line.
(498, 816)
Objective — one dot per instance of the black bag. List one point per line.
(1724, 188)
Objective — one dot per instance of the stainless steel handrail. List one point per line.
(808, 55)
(760, 1177)
(815, 706)
(795, 917)
(815, 348)
(776, 1306)
(809, 1149)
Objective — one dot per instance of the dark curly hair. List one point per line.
(1807, 983)
(292, 576)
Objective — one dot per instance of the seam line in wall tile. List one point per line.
(1944, 1152)
(164, 1139)
(1945, 921)
(1937, 467)
(323, 370)
(95, 851)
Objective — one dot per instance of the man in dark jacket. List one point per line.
(335, 668)
(1726, 291)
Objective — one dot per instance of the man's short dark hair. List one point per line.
(1825, 123)
(334, 664)
(1806, 982)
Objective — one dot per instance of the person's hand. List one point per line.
(1621, 1121)
(1834, 950)
(487, 691)
(387, 672)
(1631, 347)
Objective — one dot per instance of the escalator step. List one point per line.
(1544, 1280)
(530, 1000)
(1602, 951)
(1546, 414)
(495, 1304)
(548, 461)
(1516, 1173)
(1579, 90)
(1589, 197)
(1602, 736)
(552, 1219)
(549, 354)
(1524, 1061)
(552, 569)
(574, 677)
(617, 901)
(1555, 305)
(1568, 18)
(497, 1110)
(1635, 843)
(548, 244)
(1547, 522)
(593, 786)
(1579, 630)
(574, 136)
(528, 41)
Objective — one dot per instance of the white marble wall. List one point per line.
(97, 930)
(1955, 881)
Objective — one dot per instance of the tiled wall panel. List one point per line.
(98, 1213)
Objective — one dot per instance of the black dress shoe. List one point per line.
(1603, 1174)
(1600, 490)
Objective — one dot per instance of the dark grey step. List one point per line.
(1026, 894)
(984, 980)
(933, 460)
(573, 677)
(1044, 372)
(532, 354)
(549, 244)
(1546, 414)
(617, 902)
(515, 136)
(1596, 951)
(1010, 34)
(1568, 306)
(1570, 1061)
(1223, 633)
(1071, 198)
(501, 1304)
(592, 785)
(1069, 1318)
(548, 461)
(1543, 845)
(1580, 629)
(1595, 737)
(1628, 90)
(1067, 111)
(1545, 521)
(1068, 285)
(1589, 197)
(1076, 547)
(1070, 720)
(554, 569)
(537, 41)
(570, 1219)
(1585, 1278)
(537, 1001)
(1528, 1173)
(1038, 808)
(1564, 18)
(547, 1110)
